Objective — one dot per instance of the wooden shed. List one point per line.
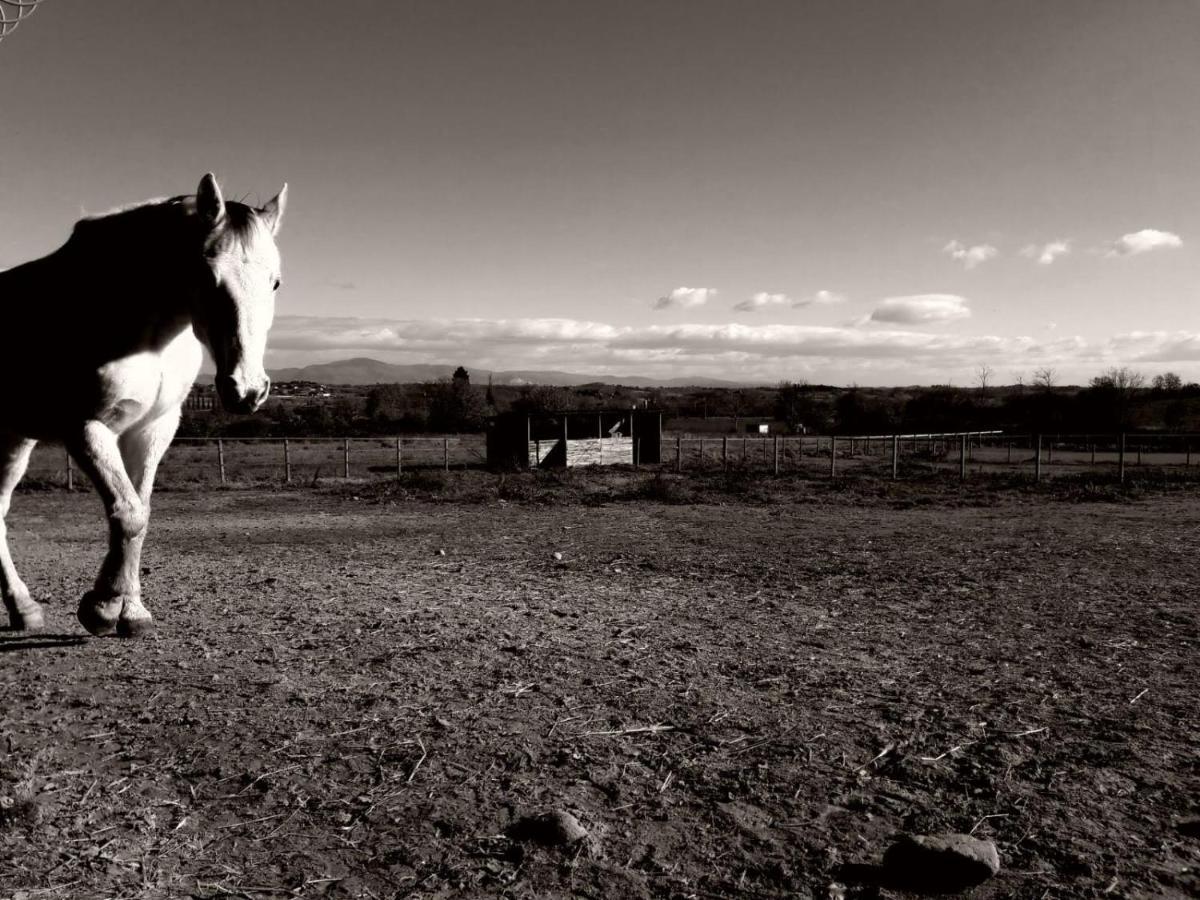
(518, 440)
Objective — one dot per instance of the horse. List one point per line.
(100, 344)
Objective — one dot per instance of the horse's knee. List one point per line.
(130, 519)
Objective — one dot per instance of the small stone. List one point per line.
(558, 557)
(940, 862)
(441, 552)
(551, 829)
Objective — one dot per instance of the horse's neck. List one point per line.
(111, 290)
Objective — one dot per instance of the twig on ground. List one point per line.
(424, 753)
(953, 749)
(637, 729)
(985, 818)
(880, 755)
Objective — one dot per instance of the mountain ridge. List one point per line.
(364, 370)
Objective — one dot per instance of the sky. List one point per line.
(840, 192)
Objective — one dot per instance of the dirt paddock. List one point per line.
(356, 695)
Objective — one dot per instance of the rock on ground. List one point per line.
(940, 862)
(552, 829)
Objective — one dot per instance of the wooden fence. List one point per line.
(309, 460)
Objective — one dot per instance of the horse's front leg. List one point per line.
(141, 450)
(118, 585)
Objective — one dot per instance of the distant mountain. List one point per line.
(361, 370)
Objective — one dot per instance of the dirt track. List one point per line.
(735, 700)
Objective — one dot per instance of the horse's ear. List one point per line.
(209, 203)
(272, 211)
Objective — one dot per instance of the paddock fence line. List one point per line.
(964, 452)
(896, 456)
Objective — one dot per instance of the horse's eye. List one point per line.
(276, 287)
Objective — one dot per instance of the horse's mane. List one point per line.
(150, 220)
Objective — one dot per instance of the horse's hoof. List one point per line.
(133, 628)
(30, 620)
(99, 614)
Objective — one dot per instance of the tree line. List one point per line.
(1115, 400)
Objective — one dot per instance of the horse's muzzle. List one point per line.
(240, 398)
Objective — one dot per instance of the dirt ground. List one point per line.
(355, 693)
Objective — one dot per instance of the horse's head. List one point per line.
(236, 303)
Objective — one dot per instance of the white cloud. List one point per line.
(761, 300)
(970, 257)
(685, 298)
(820, 298)
(921, 309)
(764, 352)
(1045, 254)
(1143, 241)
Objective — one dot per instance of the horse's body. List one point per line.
(100, 343)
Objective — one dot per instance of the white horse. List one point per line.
(100, 343)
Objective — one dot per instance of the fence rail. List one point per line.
(311, 459)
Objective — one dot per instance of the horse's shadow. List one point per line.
(16, 641)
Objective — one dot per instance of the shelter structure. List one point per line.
(519, 440)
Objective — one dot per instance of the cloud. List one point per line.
(820, 298)
(1045, 254)
(921, 309)
(761, 300)
(970, 257)
(685, 298)
(1143, 241)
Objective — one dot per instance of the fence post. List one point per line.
(1139, 462)
(1121, 459)
(1187, 450)
(1010, 452)
(1050, 451)
(637, 452)
(1092, 444)
(895, 456)
(287, 462)
(400, 457)
(1037, 459)
(678, 453)
(70, 472)
(962, 457)
(221, 458)
(832, 455)
(776, 454)
(725, 453)
(446, 452)
(345, 457)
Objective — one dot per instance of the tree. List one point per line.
(461, 375)
(1112, 393)
(1045, 378)
(792, 405)
(983, 377)
(1123, 379)
(386, 401)
(455, 406)
(544, 398)
(1168, 382)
